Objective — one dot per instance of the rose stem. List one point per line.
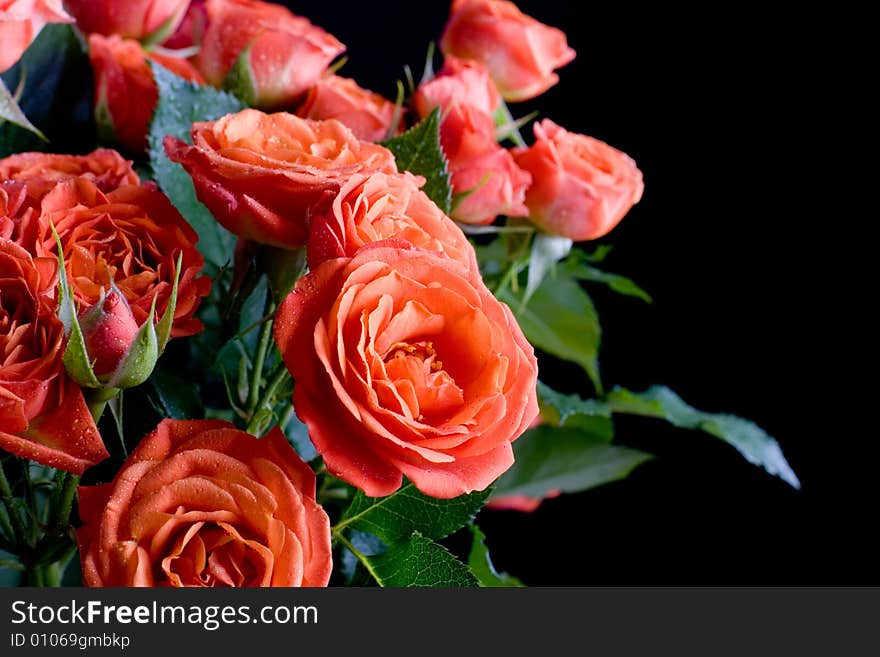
(17, 526)
(263, 344)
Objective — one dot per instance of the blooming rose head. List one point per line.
(263, 175)
(132, 19)
(375, 207)
(125, 91)
(21, 22)
(520, 52)
(131, 238)
(284, 54)
(405, 364)
(459, 81)
(582, 187)
(200, 503)
(368, 115)
(490, 184)
(43, 416)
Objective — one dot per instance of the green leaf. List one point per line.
(178, 398)
(395, 517)
(418, 151)
(138, 362)
(572, 411)
(419, 562)
(561, 320)
(481, 565)
(181, 103)
(567, 459)
(57, 95)
(297, 434)
(579, 269)
(10, 111)
(283, 268)
(747, 437)
(163, 330)
(547, 250)
(240, 79)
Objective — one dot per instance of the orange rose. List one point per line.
(522, 503)
(582, 186)
(368, 115)
(21, 22)
(459, 81)
(405, 364)
(262, 175)
(520, 52)
(285, 56)
(492, 184)
(43, 416)
(125, 91)
(130, 237)
(378, 207)
(200, 503)
(133, 19)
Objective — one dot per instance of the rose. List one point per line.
(368, 115)
(200, 503)
(582, 187)
(43, 416)
(263, 175)
(130, 237)
(372, 208)
(108, 328)
(21, 22)
(282, 54)
(459, 81)
(125, 91)
(520, 52)
(133, 19)
(489, 184)
(405, 364)
(192, 28)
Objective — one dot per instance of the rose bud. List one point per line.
(43, 415)
(519, 52)
(201, 503)
(280, 55)
(192, 28)
(152, 20)
(109, 328)
(368, 115)
(459, 81)
(406, 365)
(263, 175)
(582, 187)
(125, 91)
(489, 185)
(21, 22)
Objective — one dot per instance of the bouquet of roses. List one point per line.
(350, 289)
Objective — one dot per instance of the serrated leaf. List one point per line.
(419, 562)
(179, 398)
(547, 250)
(572, 411)
(181, 103)
(57, 94)
(615, 282)
(756, 446)
(10, 111)
(561, 320)
(395, 517)
(567, 459)
(481, 565)
(418, 151)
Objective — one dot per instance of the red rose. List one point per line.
(286, 54)
(43, 416)
(405, 364)
(263, 175)
(132, 19)
(492, 184)
(21, 22)
(200, 503)
(376, 207)
(125, 91)
(130, 237)
(520, 52)
(368, 115)
(582, 187)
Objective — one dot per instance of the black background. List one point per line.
(729, 241)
